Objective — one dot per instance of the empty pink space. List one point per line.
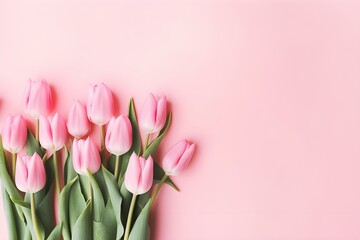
(268, 90)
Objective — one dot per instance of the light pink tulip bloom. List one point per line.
(52, 132)
(85, 156)
(100, 105)
(30, 173)
(14, 134)
(153, 114)
(78, 123)
(118, 138)
(139, 174)
(178, 158)
(38, 100)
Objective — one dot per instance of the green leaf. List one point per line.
(99, 204)
(56, 233)
(5, 178)
(126, 201)
(136, 143)
(46, 213)
(64, 209)
(69, 172)
(106, 229)
(83, 225)
(99, 177)
(151, 149)
(32, 145)
(77, 203)
(141, 202)
(27, 213)
(140, 228)
(115, 198)
(10, 214)
(159, 174)
(84, 184)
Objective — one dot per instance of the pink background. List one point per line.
(269, 91)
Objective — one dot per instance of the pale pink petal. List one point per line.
(133, 174)
(184, 160)
(36, 174)
(45, 133)
(148, 114)
(21, 174)
(161, 114)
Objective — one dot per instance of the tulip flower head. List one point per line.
(52, 132)
(38, 100)
(118, 138)
(14, 134)
(78, 123)
(30, 173)
(100, 105)
(178, 158)
(153, 114)
(85, 156)
(139, 174)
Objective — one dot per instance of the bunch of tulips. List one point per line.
(58, 184)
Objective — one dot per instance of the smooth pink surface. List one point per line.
(268, 90)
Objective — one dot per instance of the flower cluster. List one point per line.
(107, 189)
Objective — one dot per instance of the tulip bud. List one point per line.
(38, 99)
(153, 114)
(14, 134)
(139, 174)
(178, 158)
(119, 135)
(52, 132)
(85, 156)
(78, 123)
(30, 173)
(100, 106)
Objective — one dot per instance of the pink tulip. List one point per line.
(78, 123)
(139, 174)
(52, 132)
(30, 173)
(85, 156)
(119, 135)
(14, 134)
(153, 114)
(178, 158)
(100, 106)
(38, 99)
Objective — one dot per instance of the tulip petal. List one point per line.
(184, 160)
(36, 174)
(146, 176)
(148, 114)
(45, 133)
(133, 174)
(161, 114)
(58, 129)
(21, 174)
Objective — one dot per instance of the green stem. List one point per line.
(157, 189)
(146, 141)
(13, 167)
(33, 216)
(102, 136)
(37, 129)
(128, 222)
(90, 193)
(57, 178)
(117, 167)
